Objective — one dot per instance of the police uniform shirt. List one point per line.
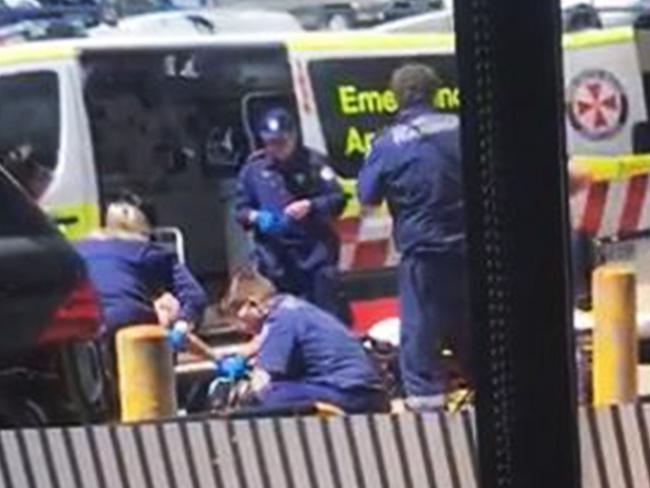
(268, 185)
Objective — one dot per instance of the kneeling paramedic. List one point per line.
(139, 281)
(289, 196)
(415, 165)
(303, 354)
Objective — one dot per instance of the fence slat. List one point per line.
(342, 452)
(203, 464)
(388, 450)
(133, 464)
(318, 450)
(295, 452)
(225, 456)
(244, 442)
(418, 463)
(434, 439)
(408, 450)
(369, 466)
(634, 447)
(463, 455)
(36, 458)
(154, 456)
(271, 451)
(605, 427)
(17, 473)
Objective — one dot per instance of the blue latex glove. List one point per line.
(268, 222)
(177, 336)
(232, 367)
(228, 370)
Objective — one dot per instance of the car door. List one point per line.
(44, 296)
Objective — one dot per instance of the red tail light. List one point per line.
(77, 319)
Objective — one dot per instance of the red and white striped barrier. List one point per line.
(613, 208)
(366, 243)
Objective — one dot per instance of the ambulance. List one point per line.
(173, 120)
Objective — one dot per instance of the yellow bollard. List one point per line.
(145, 370)
(615, 341)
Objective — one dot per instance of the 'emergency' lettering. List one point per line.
(357, 142)
(447, 98)
(353, 101)
(346, 97)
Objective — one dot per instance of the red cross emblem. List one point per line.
(597, 104)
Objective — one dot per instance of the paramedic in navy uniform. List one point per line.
(289, 196)
(131, 273)
(415, 165)
(302, 354)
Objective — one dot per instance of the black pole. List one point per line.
(509, 61)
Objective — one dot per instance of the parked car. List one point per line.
(337, 14)
(26, 20)
(200, 21)
(50, 369)
(438, 21)
(576, 15)
(580, 15)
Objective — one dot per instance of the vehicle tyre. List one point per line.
(21, 412)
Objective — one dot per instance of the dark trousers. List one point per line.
(289, 393)
(433, 309)
(320, 285)
(327, 292)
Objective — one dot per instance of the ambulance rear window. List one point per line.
(30, 116)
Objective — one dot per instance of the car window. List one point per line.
(29, 150)
(19, 216)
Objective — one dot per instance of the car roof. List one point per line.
(212, 21)
(438, 21)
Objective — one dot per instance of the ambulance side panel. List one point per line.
(604, 96)
(343, 98)
(43, 111)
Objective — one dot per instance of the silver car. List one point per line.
(576, 15)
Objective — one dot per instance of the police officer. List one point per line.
(289, 196)
(415, 165)
(131, 273)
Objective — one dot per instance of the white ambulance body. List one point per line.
(173, 120)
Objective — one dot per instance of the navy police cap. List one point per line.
(277, 122)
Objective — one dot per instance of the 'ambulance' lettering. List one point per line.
(357, 142)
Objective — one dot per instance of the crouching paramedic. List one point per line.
(290, 197)
(130, 272)
(303, 354)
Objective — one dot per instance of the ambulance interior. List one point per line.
(177, 130)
